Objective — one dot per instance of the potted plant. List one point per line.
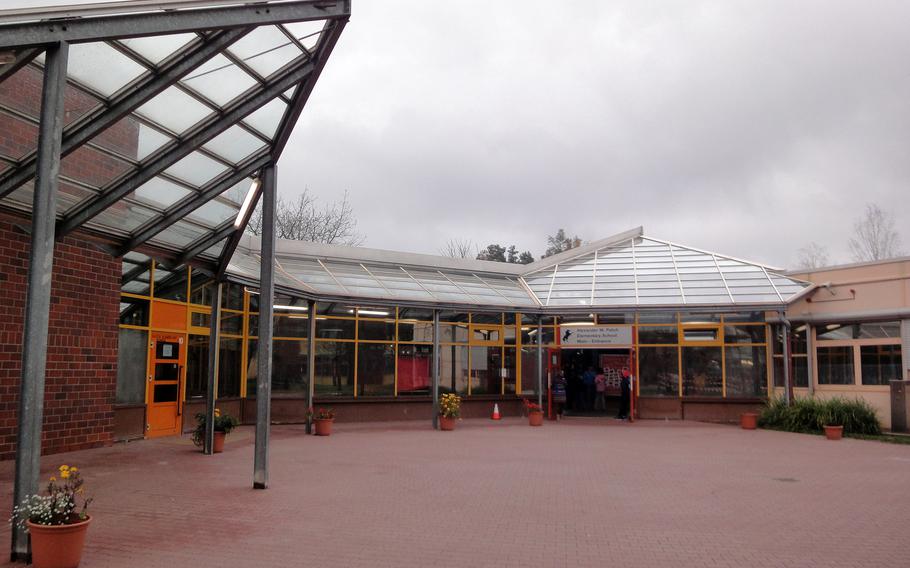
(56, 520)
(535, 413)
(831, 419)
(748, 420)
(449, 411)
(323, 419)
(224, 423)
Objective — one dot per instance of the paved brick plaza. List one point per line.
(579, 493)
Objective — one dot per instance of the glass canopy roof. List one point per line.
(171, 109)
(629, 272)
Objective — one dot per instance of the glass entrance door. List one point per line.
(167, 364)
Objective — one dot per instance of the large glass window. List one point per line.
(332, 328)
(658, 334)
(453, 368)
(134, 311)
(376, 330)
(881, 364)
(747, 372)
(197, 365)
(509, 368)
(799, 357)
(658, 370)
(376, 369)
(131, 366)
(835, 365)
(230, 360)
(334, 368)
(415, 331)
(415, 365)
(289, 367)
(874, 330)
(486, 370)
(529, 370)
(702, 371)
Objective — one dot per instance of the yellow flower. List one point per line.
(53, 478)
(64, 468)
(74, 469)
(65, 474)
(217, 413)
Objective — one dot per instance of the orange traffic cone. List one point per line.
(496, 415)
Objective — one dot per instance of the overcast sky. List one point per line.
(747, 128)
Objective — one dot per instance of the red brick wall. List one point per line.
(82, 343)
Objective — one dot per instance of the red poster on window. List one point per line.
(612, 366)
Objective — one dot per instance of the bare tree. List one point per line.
(875, 237)
(459, 248)
(813, 255)
(303, 220)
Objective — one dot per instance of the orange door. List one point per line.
(167, 363)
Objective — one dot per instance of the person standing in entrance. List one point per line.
(625, 391)
(600, 385)
(588, 380)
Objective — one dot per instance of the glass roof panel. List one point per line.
(174, 110)
(265, 50)
(234, 144)
(150, 140)
(219, 80)
(157, 48)
(101, 67)
(160, 193)
(306, 33)
(122, 138)
(178, 235)
(267, 119)
(68, 195)
(20, 137)
(93, 167)
(138, 285)
(122, 217)
(196, 169)
(214, 213)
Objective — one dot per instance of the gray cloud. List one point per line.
(746, 128)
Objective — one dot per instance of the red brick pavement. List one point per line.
(578, 493)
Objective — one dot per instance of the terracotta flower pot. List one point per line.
(446, 423)
(58, 546)
(535, 418)
(218, 442)
(323, 426)
(834, 432)
(748, 420)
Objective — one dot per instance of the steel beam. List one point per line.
(143, 91)
(20, 60)
(38, 293)
(266, 309)
(74, 27)
(200, 245)
(211, 392)
(177, 150)
(311, 364)
(540, 365)
(331, 31)
(192, 202)
(435, 371)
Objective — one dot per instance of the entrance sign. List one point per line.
(595, 335)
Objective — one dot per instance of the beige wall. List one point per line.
(852, 293)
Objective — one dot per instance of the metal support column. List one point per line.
(788, 386)
(435, 371)
(810, 359)
(38, 293)
(311, 364)
(540, 366)
(266, 308)
(211, 392)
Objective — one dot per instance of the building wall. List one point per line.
(82, 343)
(858, 293)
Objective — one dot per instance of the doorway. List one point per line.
(586, 400)
(166, 371)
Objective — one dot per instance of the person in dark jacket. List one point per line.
(625, 392)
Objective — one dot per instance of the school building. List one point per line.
(131, 297)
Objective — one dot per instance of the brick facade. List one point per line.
(82, 342)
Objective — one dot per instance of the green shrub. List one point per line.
(812, 415)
